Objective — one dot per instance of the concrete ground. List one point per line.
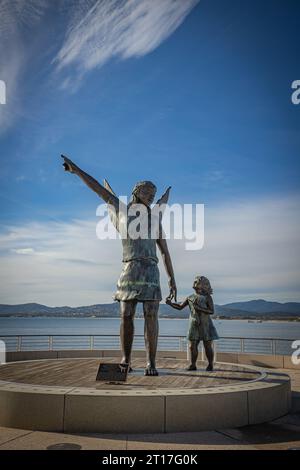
(283, 433)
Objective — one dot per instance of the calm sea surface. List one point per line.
(172, 327)
(66, 327)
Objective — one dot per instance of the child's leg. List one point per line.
(209, 351)
(193, 346)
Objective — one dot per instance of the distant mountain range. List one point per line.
(264, 306)
(253, 309)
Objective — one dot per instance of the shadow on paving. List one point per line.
(282, 430)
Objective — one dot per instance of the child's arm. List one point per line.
(180, 306)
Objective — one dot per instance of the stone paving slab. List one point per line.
(9, 434)
(266, 436)
(45, 441)
(283, 433)
(207, 440)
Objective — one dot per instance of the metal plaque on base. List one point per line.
(109, 372)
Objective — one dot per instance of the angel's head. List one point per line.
(202, 285)
(144, 192)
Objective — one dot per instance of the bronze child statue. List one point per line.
(139, 280)
(201, 327)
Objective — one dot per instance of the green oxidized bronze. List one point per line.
(201, 327)
(139, 280)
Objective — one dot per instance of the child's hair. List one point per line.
(205, 284)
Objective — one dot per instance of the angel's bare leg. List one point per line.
(127, 310)
(151, 334)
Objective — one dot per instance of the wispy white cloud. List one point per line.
(251, 250)
(23, 251)
(62, 263)
(15, 15)
(114, 28)
(96, 31)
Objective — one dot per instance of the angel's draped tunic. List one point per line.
(139, 279)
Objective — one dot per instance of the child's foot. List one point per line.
(191, 367)
(209, 368)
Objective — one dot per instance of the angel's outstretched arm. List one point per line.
(105, 194)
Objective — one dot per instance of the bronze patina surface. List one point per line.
(139, 280)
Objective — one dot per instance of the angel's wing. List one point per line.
(164, 198)
(112, 209)
(158, 210)
(108, 187)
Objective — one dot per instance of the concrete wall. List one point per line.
(73, 409)
(144, 411)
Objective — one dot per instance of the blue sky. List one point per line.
(196, 95)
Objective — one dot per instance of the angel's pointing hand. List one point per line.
(68, 164)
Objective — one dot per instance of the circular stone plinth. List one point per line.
(63, 395)
(82, 373)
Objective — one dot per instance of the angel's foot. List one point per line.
(150, 371)
(125, 367)
(191, 367)
(210, 368)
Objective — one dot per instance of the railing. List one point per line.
(54, 342)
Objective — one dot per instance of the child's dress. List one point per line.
(201, 326)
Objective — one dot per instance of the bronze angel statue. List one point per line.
(139, 279)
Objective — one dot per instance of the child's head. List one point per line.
(202, 285)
